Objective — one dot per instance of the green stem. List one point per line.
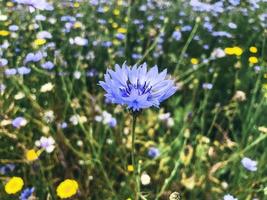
(46, 182)
(168, 181)
(133, 158)
(190, 38)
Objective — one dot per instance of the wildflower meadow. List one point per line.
(133, 99)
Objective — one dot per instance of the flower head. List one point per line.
(67, 188)
(229, 197)
(38, 4)
(6, 168)
(32, 155)
(106, 118)
(14, 185)
(153, 152)
(26, 193)
(47, 143)
(19, 122)
(136, 87)
(249, 164)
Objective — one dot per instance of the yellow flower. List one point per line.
(77, 25)
(264, 86)
(253, 60)
(9, 4)
(76, 5)
(233, 51)
(229, 51)
(114, 25)
(194, 61)
(106, 8)
(67, 188)
(122, 30)
(238, 51)
(253, 49)
(39, 41)
(116, 42)
(4, 33)
(32, 155)
(130, 168)
(14, 185)
(116, 12)
(120, 2)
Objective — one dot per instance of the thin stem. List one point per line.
(190, 38)
(133, 158)
(168, 181)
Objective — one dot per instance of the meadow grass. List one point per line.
(62, 138)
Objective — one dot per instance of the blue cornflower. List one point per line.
(207, 86)
(177, 35)
(48, 65)
(2, 88)
(153, 152)
(6, 168)
(19, 122)
(10, 71)
(38, 4)
(234, 2)
(249, 164)
(33, 57)
(3, 62)
(136, 87)
(229, 197)
(24, 70)
(26, 193)
(13, 28)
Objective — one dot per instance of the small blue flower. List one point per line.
(120, 36)
(229, 197)
(19, 122)
(10, 71)
(63, 125)
(234, 2)
(48, 65)
(249, 164)
(26, 193)
(113, 122)
(177, 35)
(2, 87)
(13, 28)
(153, 152)
(40, 4)
(136, 87)
(207, 86)
(3, 62)
(6, 169)
(31, 57)
(24, 70)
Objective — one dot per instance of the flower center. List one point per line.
(135, 89)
